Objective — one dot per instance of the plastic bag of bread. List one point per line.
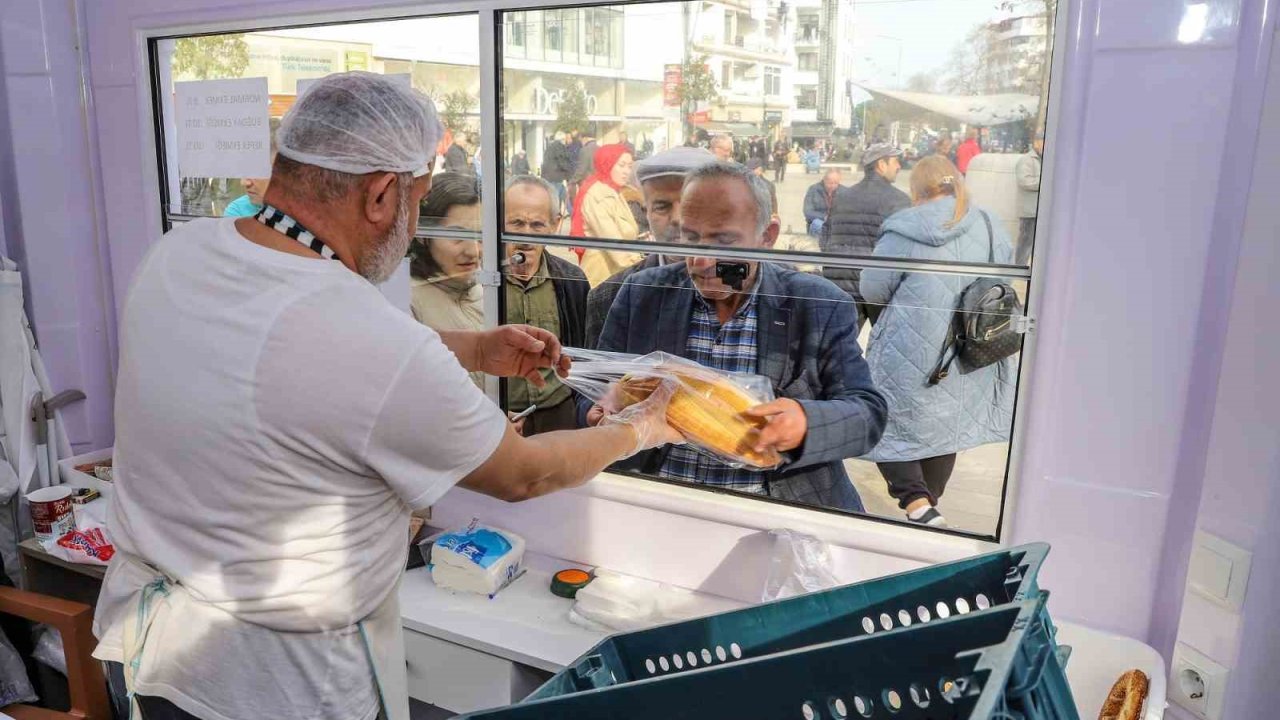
(708, 408)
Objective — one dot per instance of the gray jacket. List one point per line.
(966, 409)
(1028, 173)
(853, 224)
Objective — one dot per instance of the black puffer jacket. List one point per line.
(853, 225)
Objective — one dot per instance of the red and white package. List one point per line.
(90, 547)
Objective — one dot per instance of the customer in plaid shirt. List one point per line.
(795, 328)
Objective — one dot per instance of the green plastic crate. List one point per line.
(866, 608)
(998, 664)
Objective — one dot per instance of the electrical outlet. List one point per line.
(1197, 683)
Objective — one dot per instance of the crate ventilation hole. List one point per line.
(942, 610)
(691, 658)
(890, 700)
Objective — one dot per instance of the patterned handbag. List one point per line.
(983, 328)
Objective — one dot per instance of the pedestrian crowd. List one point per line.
(833, 402)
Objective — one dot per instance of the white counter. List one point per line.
(524, 623)
(469, 652)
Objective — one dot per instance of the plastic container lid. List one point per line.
(567, 583)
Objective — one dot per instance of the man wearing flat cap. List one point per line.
(857, 212)
(759, 318)
(661, 178)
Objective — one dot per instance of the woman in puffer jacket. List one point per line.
(929, 424)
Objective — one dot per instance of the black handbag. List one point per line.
(984, 327)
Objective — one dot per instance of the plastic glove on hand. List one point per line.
(649, 419)
(607, 405)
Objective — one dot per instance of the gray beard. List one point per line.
(383, 256)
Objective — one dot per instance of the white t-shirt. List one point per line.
(276, 419)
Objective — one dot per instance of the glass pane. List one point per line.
(444, 258)
(863, 429)
(283, 61)
(853, 112)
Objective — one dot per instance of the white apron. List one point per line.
(381, 632)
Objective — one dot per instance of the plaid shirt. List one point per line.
(731, 347)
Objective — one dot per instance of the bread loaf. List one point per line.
(1126, 698)
(708, 410)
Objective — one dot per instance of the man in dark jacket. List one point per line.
(584, 166)
(817, 201)
(544, 291)
(782, 324)
(557, 165)
(661, 178)
(455, 158)
(853, 225)
(520, 163)
(586, 159)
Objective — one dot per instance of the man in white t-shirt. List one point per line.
(277, 420)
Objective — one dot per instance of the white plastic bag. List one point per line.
(15, 687)
(799, 564)
(614, 380)
(49, 649)
(615, 601)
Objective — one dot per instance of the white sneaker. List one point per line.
(928, 516)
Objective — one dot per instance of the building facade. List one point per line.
(617, 55)
(824, 51)
(1017, 53)
(748, 46)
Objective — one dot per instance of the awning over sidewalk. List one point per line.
(819, 129)
(982, 110)
(732, 128)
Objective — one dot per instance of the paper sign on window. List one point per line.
(223, 128)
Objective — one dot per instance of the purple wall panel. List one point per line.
(22, 39)
(1130, 232)
(53, 198)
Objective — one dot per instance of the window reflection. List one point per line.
(446, 69)
(945, 444)
(802, 88)
(445, 291)
(884, 438)
(863, 127)
(543, 290)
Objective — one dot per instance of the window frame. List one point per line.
(772, 76)
(884, 534)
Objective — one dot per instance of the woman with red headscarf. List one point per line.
(600, 211)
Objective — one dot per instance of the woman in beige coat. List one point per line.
(601, 212)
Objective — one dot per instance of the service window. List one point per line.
(886, 168)
(220, 97)
(858, 187)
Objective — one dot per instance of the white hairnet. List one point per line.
(361, 122)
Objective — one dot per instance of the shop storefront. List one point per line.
(614, 106)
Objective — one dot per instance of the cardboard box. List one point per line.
(75, 478)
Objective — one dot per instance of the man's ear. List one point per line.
(771, 233)
(380, 198)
